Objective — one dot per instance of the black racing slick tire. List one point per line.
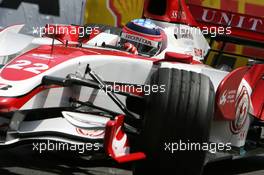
(173, 120)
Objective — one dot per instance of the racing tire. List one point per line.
(180, 114)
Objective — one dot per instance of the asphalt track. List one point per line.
(24, 161)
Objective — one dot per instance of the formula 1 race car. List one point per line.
(139, 94)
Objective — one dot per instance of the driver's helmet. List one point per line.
(144, 35)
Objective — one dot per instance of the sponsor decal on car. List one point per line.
(175, 14)
(90, 133)
(228, 96)
(119, 144)
(139, 40)
(4, 86)
(28, 66)
(198, 52)
(242, 108)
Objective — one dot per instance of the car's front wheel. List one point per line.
(173, 120)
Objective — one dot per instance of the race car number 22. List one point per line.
(27, 65)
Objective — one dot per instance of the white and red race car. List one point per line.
(164, 110)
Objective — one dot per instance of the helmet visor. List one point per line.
(144, 46)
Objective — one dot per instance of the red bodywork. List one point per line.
(17, 69)
(244, 26)
(176, 11)
(70, 33)
(255, 78)
(114, 131)
(9, 104)
(226, 102)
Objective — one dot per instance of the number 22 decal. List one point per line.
(36, 68)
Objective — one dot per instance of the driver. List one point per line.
(141, 36)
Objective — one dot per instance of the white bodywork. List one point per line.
(188, 40)
(111, 68)
(12, 43)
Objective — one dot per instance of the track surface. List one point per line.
(24, 161)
